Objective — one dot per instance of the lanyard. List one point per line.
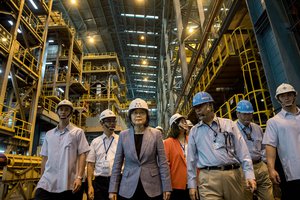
(182, 146)
(106, 150)
(215, 132)
(248, 135)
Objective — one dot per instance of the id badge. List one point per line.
(105, 167)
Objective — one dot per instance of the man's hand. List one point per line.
(167, 195)
(251, 184)
(193, 194)
(112, 196)
(274, 176)
(76, 185)
(91, 193)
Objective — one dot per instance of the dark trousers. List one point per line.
(290, 190)
(180, 194)
(140, 194)
(101, 185)
(42, 194)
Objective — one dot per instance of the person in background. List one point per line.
(101, 157)
(161, 130)
(146, 172)
(64, 147)
(253, 135)
(282, 135)
(190, 124)
(216, 148)
(176, 152)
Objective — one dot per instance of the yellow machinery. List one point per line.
(19, 176)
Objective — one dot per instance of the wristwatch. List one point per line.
(79, 177)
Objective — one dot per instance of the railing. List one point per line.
(22, 130)
(100, 54)
(8, 117)
(89, 67)
(26, 58)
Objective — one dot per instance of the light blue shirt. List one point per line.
(98, 153)
(208, 148)
(62, 149)
(283, 133)
(255, 147)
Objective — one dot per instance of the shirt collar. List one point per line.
(285, 113)
(67, 128)
(105, 136)
(215, 121)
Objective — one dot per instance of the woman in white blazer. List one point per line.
(146, 172)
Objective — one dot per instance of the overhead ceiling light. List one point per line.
(61, 90)
(146, 91)
(33, 4)
(49, 63)
(146, 66)
(141, 32)
(50, 41)
(146, 57)
(138, 79)
(144, 62)
(91, 39)
(142, 46)
(73, 1)
(139, 16)
(142, 38)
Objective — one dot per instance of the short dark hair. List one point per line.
(147, 118)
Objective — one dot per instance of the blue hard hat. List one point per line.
(201, 98)
(244, 106)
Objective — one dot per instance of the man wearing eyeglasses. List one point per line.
(216, 148)
(101, 157)
(253, 135)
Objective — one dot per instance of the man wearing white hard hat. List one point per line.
(64, 149)
(282, 135)
(101, 157)
(253, 134)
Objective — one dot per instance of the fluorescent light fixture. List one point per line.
(146, 66)
(146, 86)
(141, 32)
(138, 79)
(49, 63)
(33, 4)
(61, 90)
(9, 76)
(0, 71)
(11, 23)
(140, 16)
(50, 41)
(142, 46)
(144, 74)
(146, 57)
(146, 91)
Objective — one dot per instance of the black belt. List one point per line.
(222, 167)
(256, 161)
(102, 178)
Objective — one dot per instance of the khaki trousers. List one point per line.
(264, 185)
(220, 185)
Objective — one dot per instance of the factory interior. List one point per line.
(102, 54)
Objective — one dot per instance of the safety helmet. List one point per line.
(159, 128)
(284, 88)
(106, 114)
(244, 106)
(138, 103)
(201, 98)
(175, 117)
(64, 102)
(189, 123)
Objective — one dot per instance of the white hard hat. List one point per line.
(138, 103)
(159, 128)
(189, 123)
(175, 117)
(284, 88)
(106, 114)
(64, 102)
